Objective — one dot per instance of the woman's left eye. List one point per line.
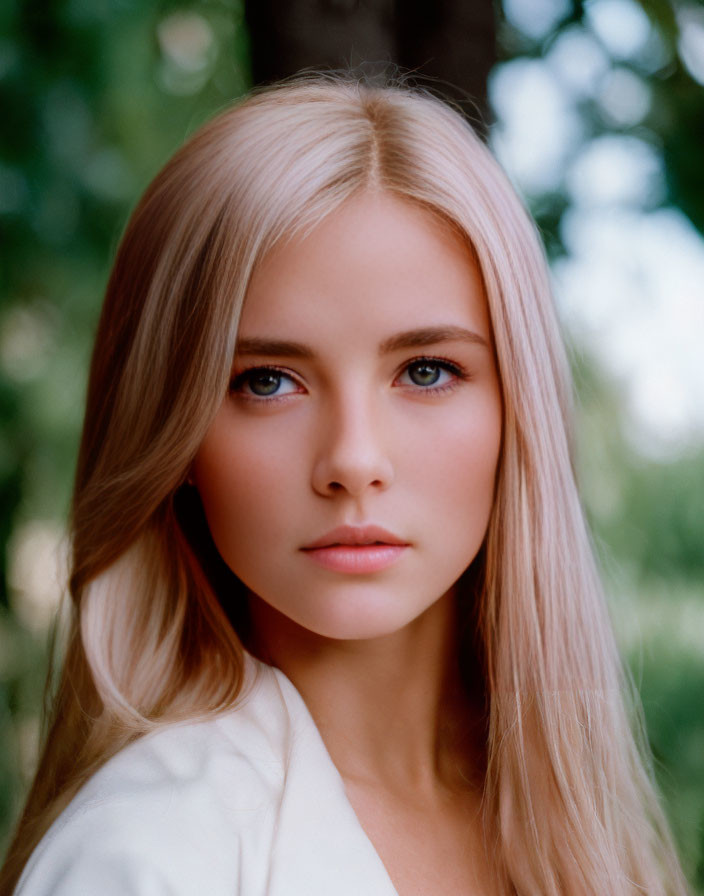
(264, 382)
(430, 373)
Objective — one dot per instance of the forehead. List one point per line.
(376, 263)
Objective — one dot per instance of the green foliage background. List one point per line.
(96, 94)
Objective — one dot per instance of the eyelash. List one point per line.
(458, 372)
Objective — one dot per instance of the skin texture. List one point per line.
(348, 437)
(353, 435)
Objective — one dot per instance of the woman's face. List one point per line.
(348, 476)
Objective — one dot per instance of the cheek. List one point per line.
(456, 466)
(244, 482)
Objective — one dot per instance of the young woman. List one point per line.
(337, 626)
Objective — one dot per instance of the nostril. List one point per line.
(334, 474)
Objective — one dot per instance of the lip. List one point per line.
(356, 549)
(359, 536)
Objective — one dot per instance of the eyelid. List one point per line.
(239, 376)
(458, 372)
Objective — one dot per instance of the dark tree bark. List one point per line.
(448, 45)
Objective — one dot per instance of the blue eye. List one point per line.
(428, 373)
(263, 382)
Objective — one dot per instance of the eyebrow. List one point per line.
(418, 338)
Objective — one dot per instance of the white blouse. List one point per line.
(246, 804)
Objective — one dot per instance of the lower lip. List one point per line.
(360, 558)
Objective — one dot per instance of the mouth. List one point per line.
(356, 549)
(356, 536)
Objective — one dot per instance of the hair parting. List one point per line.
(569, 802)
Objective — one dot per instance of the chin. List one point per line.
(353, 617)
(360, 630)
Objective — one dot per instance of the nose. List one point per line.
(352, 457)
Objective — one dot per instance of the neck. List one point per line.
(392, 711)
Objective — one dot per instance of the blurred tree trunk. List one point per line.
(447, 44)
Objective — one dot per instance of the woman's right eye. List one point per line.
(263, 382)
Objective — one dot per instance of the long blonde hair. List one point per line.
(569, 803)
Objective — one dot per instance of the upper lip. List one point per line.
(351, 535)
